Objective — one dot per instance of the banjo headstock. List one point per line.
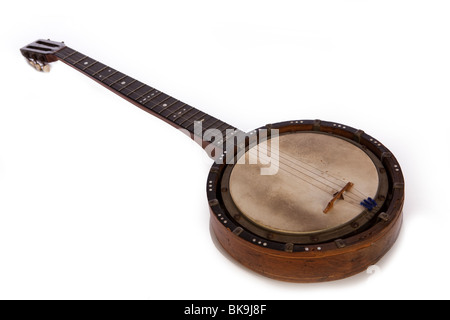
(41, 52)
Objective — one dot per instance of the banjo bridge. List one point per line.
(338, 195)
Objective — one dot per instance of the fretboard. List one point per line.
(160, 104)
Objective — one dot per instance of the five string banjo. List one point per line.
(300, 201)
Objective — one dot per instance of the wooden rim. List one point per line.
(313, 266)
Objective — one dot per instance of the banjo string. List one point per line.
(325, 188)
(331, 190)
(322, 174)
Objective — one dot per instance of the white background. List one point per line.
(100, 200)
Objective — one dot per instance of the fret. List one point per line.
(186, 116)
(116, 77)
(132, 87)
(211, 123)
(162, 106)
(224, 126)
(123, 83)
(74, 58)
(181, 113)
(78, 61)
(119, 81)
(64, 53)
(93, 69)
(104, 73)
(85, 63)
(172, 109)
(198, 117)
(211, 135)
(111, 72)
(148, 94)
(154, 95)
(190, 125)
(95, 73)
(89, 65)
(70, 55)
(225, 139)
(159, 98)
(141, 92)
(230, 135)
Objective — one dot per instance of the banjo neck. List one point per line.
(163, 106)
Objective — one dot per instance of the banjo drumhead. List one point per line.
(312, 169)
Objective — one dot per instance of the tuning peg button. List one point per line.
(46, 68)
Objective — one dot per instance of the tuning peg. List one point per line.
(39, 66)
(35, 65)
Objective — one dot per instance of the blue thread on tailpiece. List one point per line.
(369, 203)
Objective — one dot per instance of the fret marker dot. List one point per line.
(123, 82)
(86, 63)
(165, 105)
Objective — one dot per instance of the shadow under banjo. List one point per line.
(328, 205)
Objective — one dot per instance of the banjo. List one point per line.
(298, 201)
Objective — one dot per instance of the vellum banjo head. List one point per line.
(312, 167)
(331, 207)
